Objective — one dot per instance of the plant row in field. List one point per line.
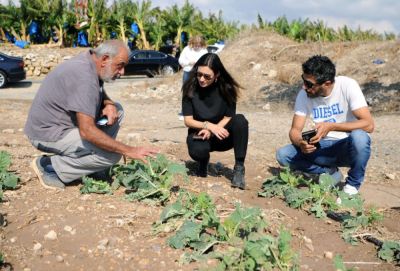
(8, 180)
(238, 242)
(323, 200)
(197, 226)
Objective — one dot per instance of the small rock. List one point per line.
(59, 258)
(256, 67)
(119, 222)
(307, 240)
(272, 73)
(102, 244)
(8, 131)
(390, 176)
(70, 229)
(37, 247)
(51, 235)
(267, 107)
(13, 239)
(328, 255)
(310, 246)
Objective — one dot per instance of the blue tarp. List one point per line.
(135, 29)
(33, 28)
(21, 44)
(10, 37)
(82, 39)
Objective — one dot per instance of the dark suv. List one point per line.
(11, 69)
(151, 63)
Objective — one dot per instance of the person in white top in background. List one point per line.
(191, 53)
(189, 56)
(343, 122)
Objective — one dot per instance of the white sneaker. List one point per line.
(350, 190)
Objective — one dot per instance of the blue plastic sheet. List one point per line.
(135, 29)
(33, 28)
(21, 44)
(10, 37)
(82, 39)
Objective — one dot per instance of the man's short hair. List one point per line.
(321, 67)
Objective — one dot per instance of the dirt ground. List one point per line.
(106, 232)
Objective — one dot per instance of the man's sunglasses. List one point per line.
(308, 84)
(206, 76)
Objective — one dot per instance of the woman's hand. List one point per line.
(205, 134)
(218, 131)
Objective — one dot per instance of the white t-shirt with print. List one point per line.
(346, 97)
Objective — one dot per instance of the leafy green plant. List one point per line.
(320, 199)
(8, 180)
(91, 185)
(188, 206)
(152, 181)
(300, 192)
(238, 242)
(259, 252)
(390, 251)
(241, 223)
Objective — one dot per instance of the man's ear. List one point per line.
(104, 60)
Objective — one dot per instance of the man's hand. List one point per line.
(110, 110)
(140, 153)
(218, 131)
(306, 148)
(323, 128)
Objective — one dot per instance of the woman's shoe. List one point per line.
(238, 177)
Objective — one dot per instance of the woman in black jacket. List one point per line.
(209, 109)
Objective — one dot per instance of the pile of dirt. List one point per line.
(268, 66)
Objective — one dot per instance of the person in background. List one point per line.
(189, 56)
(64, 118)
(209, 108)
(191, 53)
(342, 120)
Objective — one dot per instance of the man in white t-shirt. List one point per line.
(337, 107)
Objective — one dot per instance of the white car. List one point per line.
(215, 48)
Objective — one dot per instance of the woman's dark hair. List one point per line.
(321, 67)
(225, 83)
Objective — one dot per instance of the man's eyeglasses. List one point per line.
(208, 77)
(308, 84)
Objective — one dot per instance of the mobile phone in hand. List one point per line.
(197, 137)
(102, 121)
(307, 135)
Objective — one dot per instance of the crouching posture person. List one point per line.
(209, 109)
(63, 119)
(343, 122)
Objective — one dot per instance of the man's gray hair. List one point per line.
(110, 48)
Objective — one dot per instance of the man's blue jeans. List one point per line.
(353, 151)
